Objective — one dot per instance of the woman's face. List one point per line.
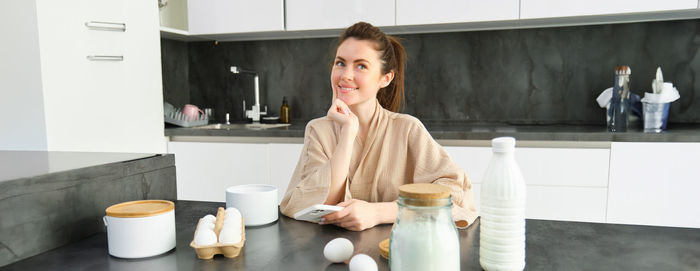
(357, 76)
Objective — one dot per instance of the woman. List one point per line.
(362, 150)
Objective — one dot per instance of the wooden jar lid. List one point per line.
(424, 191)
(140, 208)
(384, 248)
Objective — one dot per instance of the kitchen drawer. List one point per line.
(566, 203)
(654, 184)
(561, 203)
(106, 10)
(542, 166)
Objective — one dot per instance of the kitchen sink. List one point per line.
(250, 126)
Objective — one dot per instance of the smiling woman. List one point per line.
(359, 154)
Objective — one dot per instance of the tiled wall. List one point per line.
(544, 75)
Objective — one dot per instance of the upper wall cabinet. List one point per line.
(234, 16)
(331, 14)
(414, 12)
(531, 9)
(93, 58)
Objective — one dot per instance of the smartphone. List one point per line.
(315, 212)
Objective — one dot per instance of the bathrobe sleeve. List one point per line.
(432, 164)
(311, 180)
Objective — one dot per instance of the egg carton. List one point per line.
(178, 118)
(228, 250)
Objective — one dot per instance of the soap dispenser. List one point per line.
(284, 111)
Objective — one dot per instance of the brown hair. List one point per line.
(393, 58)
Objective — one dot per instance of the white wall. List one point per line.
(22, 123)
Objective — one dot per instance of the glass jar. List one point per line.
(424, 236)
(618, 113)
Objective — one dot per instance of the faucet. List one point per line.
(255, 112)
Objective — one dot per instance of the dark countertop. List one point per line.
(460, 130)
(23, 164)
(293, 245)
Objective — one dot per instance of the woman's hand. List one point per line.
(356, 215)
(340, 112)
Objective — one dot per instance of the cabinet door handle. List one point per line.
(93, 25)
(105, 58)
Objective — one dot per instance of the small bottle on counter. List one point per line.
(284, 111)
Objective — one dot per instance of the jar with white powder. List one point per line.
(424, 236)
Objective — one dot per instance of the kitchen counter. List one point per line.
(294, 245)
(50, 199)
(458, 130)
(25, 164)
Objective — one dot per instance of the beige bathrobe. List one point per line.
(398, 150)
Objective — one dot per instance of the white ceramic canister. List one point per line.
(256, 202)
(142, 228)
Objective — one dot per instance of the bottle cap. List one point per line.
(503, 144)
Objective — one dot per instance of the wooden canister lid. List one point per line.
(424, 191)
(384, 248)
(140, 208)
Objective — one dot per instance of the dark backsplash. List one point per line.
(522, 76)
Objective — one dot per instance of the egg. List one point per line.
(232, 217)
(209, 218)
(206, 224)
(362, 262)
(230, 235)
(338, 250)
(232, 211)
(205, 237)
(233, 223)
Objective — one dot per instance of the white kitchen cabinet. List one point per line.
(107, 106)
(654, 184)
(569, 203)
(586, 204)
(205, 169)
(562, 183)
(531, 9)
(332, 14)
(542, 166)
(174, 14)
(283, 160)
(416, 12)
(234, 16)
